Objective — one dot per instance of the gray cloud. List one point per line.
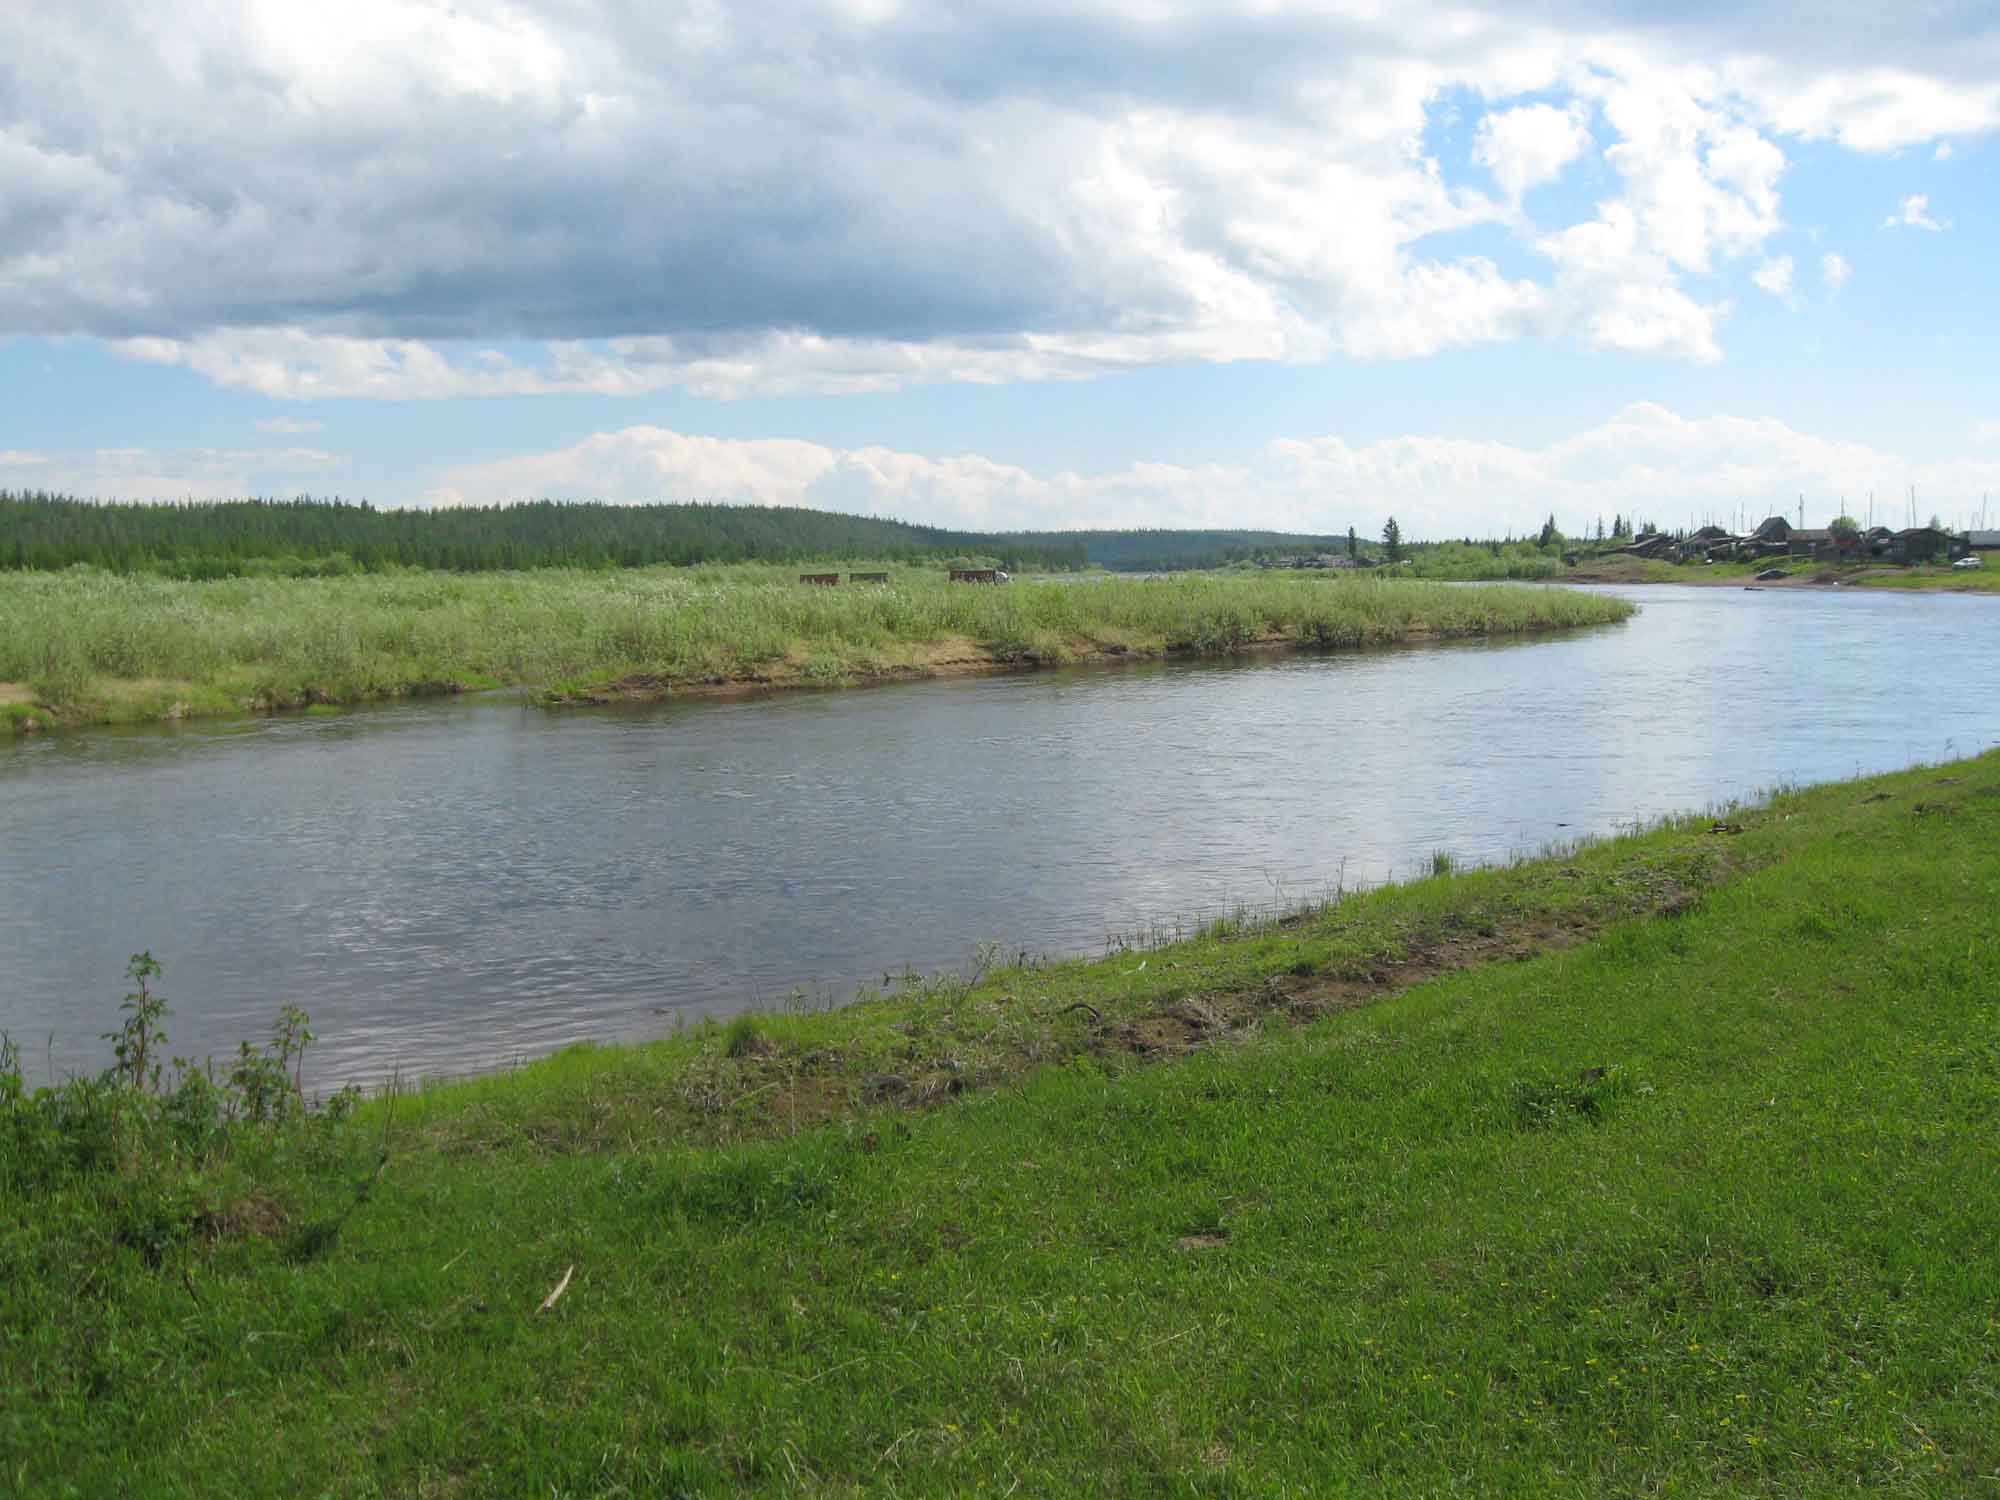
(1016, 189)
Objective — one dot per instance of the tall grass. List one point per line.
(1519, 561)
(266, 641)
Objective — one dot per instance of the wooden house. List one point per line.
(1918, 544)
(1658, 544)
(1770, 539)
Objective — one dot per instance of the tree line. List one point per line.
(308, 537)
(314, 537)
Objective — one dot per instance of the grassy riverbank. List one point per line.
(1662, 1166)
(86, 647)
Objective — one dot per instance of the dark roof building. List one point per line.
(1920, 544)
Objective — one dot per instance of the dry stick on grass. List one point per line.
(556, 1295)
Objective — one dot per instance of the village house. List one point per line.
(1656, 545)
(1707, 542)
(1813, 541)
(1917, 544)
(1770, 539)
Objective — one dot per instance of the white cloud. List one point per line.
(145, 474)
(1915, 212)
(1877, 107)
(1526, 147)
(1943, 152)
(1775, 276)
(1986, 432)
(1834, 271)
(1645, 458)
(526, 195)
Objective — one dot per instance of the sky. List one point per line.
(1091, 263)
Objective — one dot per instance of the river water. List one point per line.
(449, 886)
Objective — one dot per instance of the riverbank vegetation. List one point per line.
(1661, 1165)
(90, 647)
(1483, 562)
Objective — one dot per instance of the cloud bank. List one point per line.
(149, 474)
(402, 199)
(1645, 459)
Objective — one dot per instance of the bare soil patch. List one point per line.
(258, 1215)
(15, 692)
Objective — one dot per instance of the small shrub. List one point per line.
(136, 1042)
(139, 1122)
(740, 1037)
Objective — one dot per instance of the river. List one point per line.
(449, 886)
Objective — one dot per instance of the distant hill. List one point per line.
(226, 538)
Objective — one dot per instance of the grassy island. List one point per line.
(1662, 1165)
(82, 646)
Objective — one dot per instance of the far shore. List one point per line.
(79, 649)
(1922, 579)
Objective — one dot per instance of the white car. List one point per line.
(1969, 562)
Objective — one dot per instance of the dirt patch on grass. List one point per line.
(258, 1216)
(15, 692)
(781, 1094)
(948, 1044)
(1299, 1000)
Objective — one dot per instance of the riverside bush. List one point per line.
(141, 1118)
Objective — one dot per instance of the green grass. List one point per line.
(1983, 580)
(1702, 1205)
(1932, 579)
(1480, 564)
(96, 648)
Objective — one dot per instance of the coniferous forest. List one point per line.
(306, 537)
